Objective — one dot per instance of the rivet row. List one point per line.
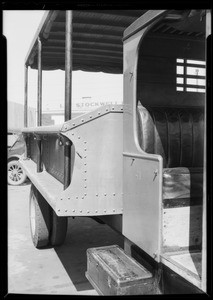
(96, 211)
(104, 193)
(91, 116)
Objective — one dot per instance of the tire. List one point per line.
(40, 219)
(16, 174)
(58, 229)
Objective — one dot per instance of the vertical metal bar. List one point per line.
(68, 67)
(27, 149)
(204, 224)
(68, 95)
(26, 96)
(39, 94)
(67, 164)
(39, 162)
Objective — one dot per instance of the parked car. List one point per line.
(15, 148)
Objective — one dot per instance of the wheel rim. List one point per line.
(15, 173)
(32, 215)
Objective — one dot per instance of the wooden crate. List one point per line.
(112, 272)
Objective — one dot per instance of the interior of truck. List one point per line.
(170, 122)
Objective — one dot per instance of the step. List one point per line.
(112, 272)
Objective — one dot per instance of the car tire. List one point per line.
(40, 219)
(58, 229)
(16, 174)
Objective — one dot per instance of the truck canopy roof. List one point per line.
(97, 38)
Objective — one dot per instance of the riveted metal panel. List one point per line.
(96, 187)
(142, 203)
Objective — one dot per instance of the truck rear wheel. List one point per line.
(39, 219)
(58, 230)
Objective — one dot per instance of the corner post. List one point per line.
(39, 92)
(25, 96)
(39, 106)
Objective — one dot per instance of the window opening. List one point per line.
(190, 75)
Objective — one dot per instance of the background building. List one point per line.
(15, 115)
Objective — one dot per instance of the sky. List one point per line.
(19, 27)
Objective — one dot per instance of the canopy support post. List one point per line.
(39, 106)
(39, 92)
(68, 67)
(25, 96)
(68, 95)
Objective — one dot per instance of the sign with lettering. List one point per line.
(87, 106)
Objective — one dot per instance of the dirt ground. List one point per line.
(59, 270)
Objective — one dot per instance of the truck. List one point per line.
(140, 167)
